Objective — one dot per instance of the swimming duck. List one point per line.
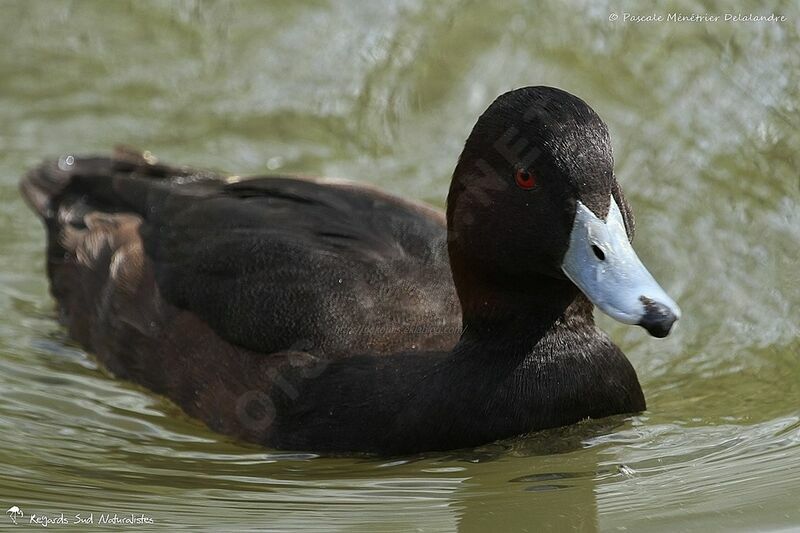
(318, 314)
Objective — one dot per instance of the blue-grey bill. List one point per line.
(602, 263)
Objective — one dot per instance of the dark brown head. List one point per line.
(534, 205)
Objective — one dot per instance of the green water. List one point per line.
(705, 126)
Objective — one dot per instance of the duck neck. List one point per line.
(521, 312)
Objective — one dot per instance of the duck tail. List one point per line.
(91, 179)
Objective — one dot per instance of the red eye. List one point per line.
(525, 179)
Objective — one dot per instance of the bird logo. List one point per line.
(15, 512)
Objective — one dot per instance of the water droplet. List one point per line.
(148, 156)
(65, 162)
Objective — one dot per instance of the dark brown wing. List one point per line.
(269, 263)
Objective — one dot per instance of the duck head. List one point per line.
(534, 211)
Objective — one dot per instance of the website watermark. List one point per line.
(19, 517)
(695, 18)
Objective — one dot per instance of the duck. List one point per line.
(324, 315)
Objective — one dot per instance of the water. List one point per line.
(704, 119)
